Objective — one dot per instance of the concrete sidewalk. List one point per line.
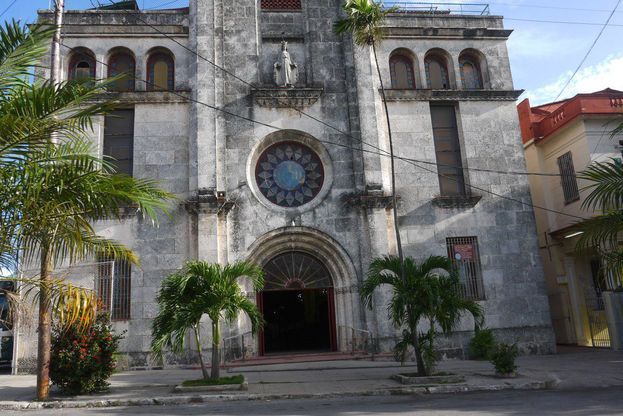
(576, 369)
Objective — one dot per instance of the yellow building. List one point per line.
(560, 139)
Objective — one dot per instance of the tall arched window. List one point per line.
(160, 72)
(471, 74)
(81, 65)
(437, 72)
(122, 63)
(401, 70)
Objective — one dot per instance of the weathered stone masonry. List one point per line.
(208, 158)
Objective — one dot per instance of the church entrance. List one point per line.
(298, 305)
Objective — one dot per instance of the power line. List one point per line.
(589, 51)
(7, 8)
(536, 6)
(253, 87)
(412, 162)
(561, 22)
(168, 3)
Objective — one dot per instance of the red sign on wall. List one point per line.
(465, 251)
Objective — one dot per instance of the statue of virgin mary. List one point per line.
(286, 70)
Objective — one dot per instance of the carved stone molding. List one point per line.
(287, 97)
(454, 95)
(467, 201)
(209, 201)
(372, 197)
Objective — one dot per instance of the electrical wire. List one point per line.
(7, 8)
(589, 51)
(277, 128)
(301, 112)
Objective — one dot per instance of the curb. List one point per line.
(180, 400)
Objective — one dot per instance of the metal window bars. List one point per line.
(456, 8)
(568, 179)
(113, 285)
(464, 253)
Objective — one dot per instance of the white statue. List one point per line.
(286, 71)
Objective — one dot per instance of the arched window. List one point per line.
(160, 72)
(437, 72)
(471, 74)
(122, 63)
(401, 70)
(81, 66)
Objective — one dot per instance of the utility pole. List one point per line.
(44, 336)
(55, 69)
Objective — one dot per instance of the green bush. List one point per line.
(503, 358)
(482, 345)
(83, 361)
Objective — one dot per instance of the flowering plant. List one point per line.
(83, 359)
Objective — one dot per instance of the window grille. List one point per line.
(464, 253)
(447, 151)
(568, 179)
(113, 287)
(119, 139)
(281, 4)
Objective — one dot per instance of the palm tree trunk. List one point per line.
(204, 370)
(216, 360)
(45, 326)
(393, 170)
(415, 341)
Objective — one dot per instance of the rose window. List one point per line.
(289, 174)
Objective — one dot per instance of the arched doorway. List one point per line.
(298, 305)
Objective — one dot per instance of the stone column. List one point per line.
(613, 302)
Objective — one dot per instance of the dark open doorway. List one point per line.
(296, 320)
(298, 306)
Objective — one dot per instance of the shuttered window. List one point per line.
(464, 253)
(119, 139)
(447, 150)
(568, 179)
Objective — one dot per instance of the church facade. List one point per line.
(270, 130)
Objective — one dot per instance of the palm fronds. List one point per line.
(200, 288)
(364, 20)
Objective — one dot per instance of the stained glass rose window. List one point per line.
(289, 174)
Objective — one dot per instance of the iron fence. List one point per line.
(599, 329)
(356, 340)
(474, 9)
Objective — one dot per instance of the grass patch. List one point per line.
(432, 375)
(237, 379)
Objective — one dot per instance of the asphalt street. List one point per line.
(595, 402)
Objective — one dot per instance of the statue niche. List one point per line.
(286, 71)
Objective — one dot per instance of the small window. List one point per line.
(113, 287)
(81, 66)
(447, 150)
(122, 64)
(464, 253)
(471, 75)
(281, 4)
(401, 69)
(160, 72)
(568, 179)
(119, 139)
(437, 73)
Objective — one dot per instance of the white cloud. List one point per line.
(531, 44)
(606, 74)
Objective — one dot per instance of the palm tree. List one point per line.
(364, 19)
(424, 294)
(201, 288)
(602, 232)
(51, 193)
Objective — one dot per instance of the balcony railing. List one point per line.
(473, 9)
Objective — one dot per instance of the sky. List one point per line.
(543, 54)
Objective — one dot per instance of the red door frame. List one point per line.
(331, 311)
